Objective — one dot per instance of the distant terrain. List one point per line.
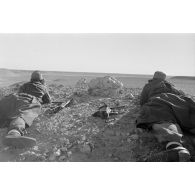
(9, 77)
(183, 77)
(73, 134)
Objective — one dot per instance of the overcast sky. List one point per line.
(116, 53)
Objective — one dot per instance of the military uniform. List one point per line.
(24, 105)
(21, 108)
(162, 111)
(155, 87)
(36, 89)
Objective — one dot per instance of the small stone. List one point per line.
(117, 103)
(116, 159)
(139, 130)
(124, 134)
(65, 141)
(52, 157)
(64, 149)
(85, 148)
(6, 148)
(62, 158)
(69, 153)
(118, 133)
(58, 152)
(131, 96)
(134, 136)
(129, 140)
(36, 148)
(83, 138)
(110, 132)
(110, 155)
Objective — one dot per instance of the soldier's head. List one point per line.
(159, 75)
(36, 76)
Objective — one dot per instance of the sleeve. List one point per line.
(46, 97)
(174, 90)
(22, 89)
(144, 95)
(178, 92)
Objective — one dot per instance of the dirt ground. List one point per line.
(73, 134)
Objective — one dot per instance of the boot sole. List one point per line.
(178, 154)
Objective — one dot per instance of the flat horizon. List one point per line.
(78, 72)
(127, 53)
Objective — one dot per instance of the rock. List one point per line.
(129, 96)
(69, 153)
(64, 141)
(134, 115)
(86, 148)
(104, 86)
(81, 87)
(63, 150)
(62, 158)
(109, 132)
(77, 157)
(52, 157)
(36, 148)
(117, 102)
(82, 83)
(118, 133)
(129, 140)
(58, 152)
(139, 130)
(110, 155)
(116, 158)
(134, 137)
(84, 138)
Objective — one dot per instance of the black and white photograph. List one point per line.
(97, 97)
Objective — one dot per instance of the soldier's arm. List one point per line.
(144, 95)
(175, 90)
(46, 99)
(178, 91)
(21, 89)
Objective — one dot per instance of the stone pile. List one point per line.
(81, 87)
(105, 86)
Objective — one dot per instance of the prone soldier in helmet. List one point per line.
(20, 109)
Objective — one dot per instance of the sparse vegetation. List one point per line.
(74, 135)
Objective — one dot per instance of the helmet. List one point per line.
(36, 76)
(159, 75)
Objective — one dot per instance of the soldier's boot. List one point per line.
(15, 139)
(174, 152)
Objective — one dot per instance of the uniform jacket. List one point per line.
(25, 104)
(155, 87)
(36, 89)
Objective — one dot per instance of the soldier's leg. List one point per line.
(171, 134)
(17, 124)
(167, 132)
(15, 136)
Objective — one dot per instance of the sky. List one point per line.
(111, 53)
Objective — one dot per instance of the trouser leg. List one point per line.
(167, 132)
(17, 124)
(15, 136)
(171, 134)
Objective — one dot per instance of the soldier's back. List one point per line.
(36, 89)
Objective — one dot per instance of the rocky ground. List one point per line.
(73, 134)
